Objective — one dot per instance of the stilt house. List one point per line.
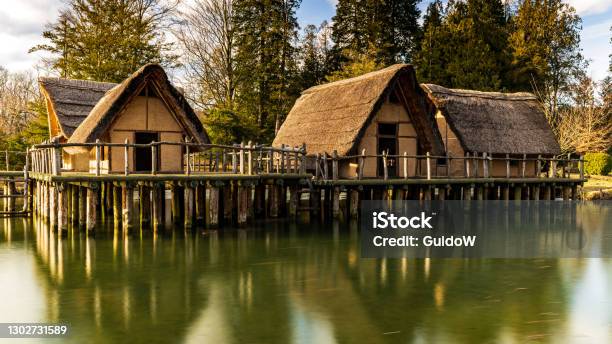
(144, 108)
(384, 111)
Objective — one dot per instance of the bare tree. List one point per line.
(17, 92)
(206, 36)
(584, 125)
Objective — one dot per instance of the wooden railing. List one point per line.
(472, 165)
(248, 158)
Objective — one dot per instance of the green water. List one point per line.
(282, 282)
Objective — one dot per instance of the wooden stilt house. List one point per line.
(144, 108)
(495, 125)
(380, 112)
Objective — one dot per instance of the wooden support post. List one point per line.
(485, 165)
(98, 156)
(538, 166)
(10, 191)
(260, 200)
(116, 204)
(243, 204)
(294, 199)
(427, 193)
(428, 166)
(176, 203)
(506, 192)
(360, 164)
(523, 165)
(74, 203)
(127, 193)
(273, 199)
(200, 203)
(325, 167)
(535, 192)
(45, 201)
(213, 207)
(153, 159)
(62, 208)
(507, 165)
(335, 165)
(574, 192)
(229, 203)
(467, 193)
(250, 158)
(385, 165)
(144, 210)
(581, 166)
(354, 203)
(567, 191)
(518, 192)
(241, 158)
(52, 206)
(480, 192)
(336, 202)
(82, 206)
(126, 160)
(405, 165)
(466, 163)
(547, 193)
(189, 201)
(315, 201)
(442, 193)
(92, 207)
(157, 194)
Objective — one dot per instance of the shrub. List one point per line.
(598, 163)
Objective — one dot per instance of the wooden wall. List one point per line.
(407, 142)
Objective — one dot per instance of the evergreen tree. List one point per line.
(430, 59)
(545, 46)
(313, 61)
(107, 40)
(388, 29)
(266, 31)
(464, 44)
(395, 30)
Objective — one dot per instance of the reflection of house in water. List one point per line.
(145, 107)
(272, 286)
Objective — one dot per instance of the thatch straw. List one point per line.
(495, 122)
(114, 101)
(72, 100)
(335, 116)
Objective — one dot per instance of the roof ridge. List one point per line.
(360, 78)
(515, 96)
(76, 83)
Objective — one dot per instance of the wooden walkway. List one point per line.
(240, 183)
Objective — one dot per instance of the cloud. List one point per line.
(333, 2)
(595, 46)
(21, 27)
(588, 7)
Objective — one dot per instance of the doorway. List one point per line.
(143, 161)
(387, 142)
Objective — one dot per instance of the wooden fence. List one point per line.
(247, 159)
(472, 165)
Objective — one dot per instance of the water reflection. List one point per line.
(288, 282)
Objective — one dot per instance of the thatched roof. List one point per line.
(334, 116)
(115, 100)
(72, 100)
(494, 122)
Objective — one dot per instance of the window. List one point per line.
(387, 129)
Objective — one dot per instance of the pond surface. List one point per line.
(288, 282)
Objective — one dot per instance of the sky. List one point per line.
(22, 23)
